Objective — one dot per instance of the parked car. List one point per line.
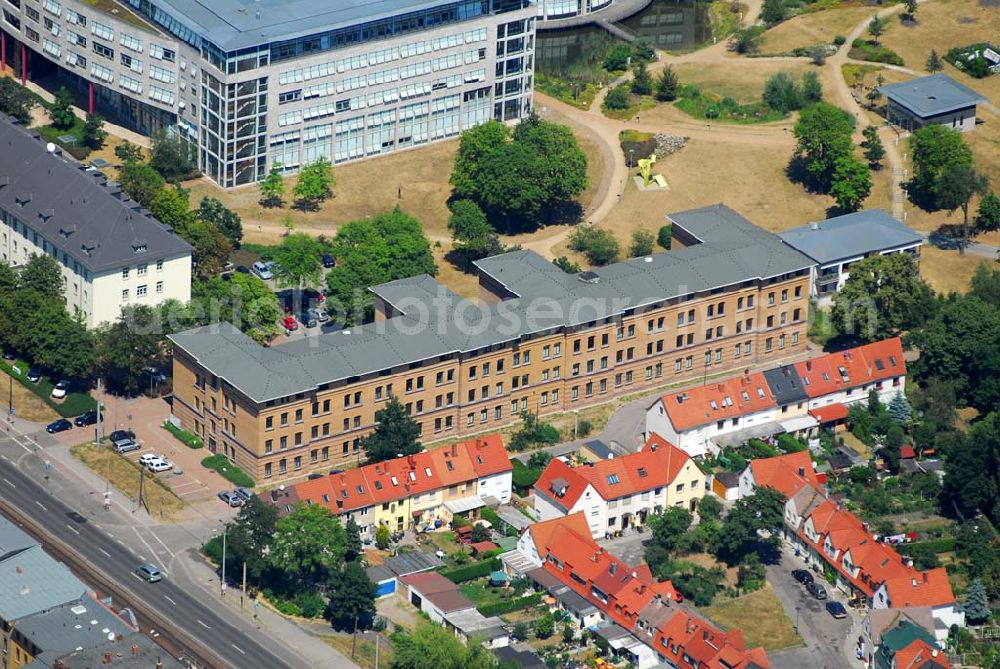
(328, 261)
(8, 355)
(147, 458)
(816, 590)
(289, 323)
(149, 573)
(836, 609)
(242, 269)
(319, 314)
(60, 425)
(802, 576)
(34, 375)
(61, 389)
(230, 498)
(263, 270)
(121, 435)
(159, 465)
(87, 418)
(308, 318)
(153, 374)
(244, 493)
(125, 446)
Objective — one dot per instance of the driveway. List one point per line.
(829, 642)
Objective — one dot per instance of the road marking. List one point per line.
(155, 536)
(167, 597)
(4, 457)
(107, 554)
(204, 625)
(241, 651)
(151, 549)
(73, 530)
(9, 483)
(137, 577)
(41, 505)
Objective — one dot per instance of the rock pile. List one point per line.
(668, 144)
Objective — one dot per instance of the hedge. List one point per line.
(187, 438)
(942, 545)
(524, 477)
(510, 605)
(228, 470)
(472, 571)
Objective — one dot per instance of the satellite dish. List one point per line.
(50, 147)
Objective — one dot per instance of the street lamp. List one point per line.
(222, 581)
(576, 422)
(630, 154)
(797, 609)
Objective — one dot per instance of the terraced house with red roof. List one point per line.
(643, 619)
(422, 490)
(621, 492)
(795, 398)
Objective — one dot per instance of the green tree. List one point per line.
(395, 434)
(883, 296)
(351, 598)
(667, 84)
(125, 347)
(479, 533)
(873, 147)
(431, 646)
(824, 135)
(971, 481)
(127, 152)
(985, 285)
(617, 59)
(567, 265)
(94, 133)
(642, 50)
(709, 507)
(812, 88)
(988, 216)
(298, 261)
(669, 527)
(475, 147)
(642, 81)
(61, 111)
(545, 626)
(211, 249)
(474, 237)
(243, 300)
(818, 55)
(936, 149)
(308, 543)
(533, 432)
(901, 411)
(977, 603)
(781, 93)
(568, 634)
(15, 100)
(172, 156)
(539, 459)
(520, 632)
(8, 278)
(751, 574)
(876, 28)
(955, 189)
(851, 182)
(249, 537)
(212, 211)
(382, 537)
(642, 243)
(598, 244)
(372, 251)
(774, 12)
(665, 236)
(911, 10)
(43, 275)
(140, 181)
(59, 343)
(761, 512)
(352, 536)
(934, 62)
(747, 40)
(315, 184)
(272, 187)
(618, 98)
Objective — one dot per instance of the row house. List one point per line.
(621, 492)
(643, 619)
(795, 398)
(788, 474)
(424, 490)
(873, 574)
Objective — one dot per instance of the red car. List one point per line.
(289, 323)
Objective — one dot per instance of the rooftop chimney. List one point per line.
(135, 649)
(454, 450)
(106, 659)
(809, 365)
(925, 577)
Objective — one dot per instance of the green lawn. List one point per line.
(228, 470)
(73, 405)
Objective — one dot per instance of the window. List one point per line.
(141, 290)
(125, 272)
(125, 295)
(159, 265)
(102, 31)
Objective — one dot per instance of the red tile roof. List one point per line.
(907, 452)
(561, 483)
(787, 473)
(853, 367)
(672, 459)
(919, 654)
(931, 588)
(732, 397)
(829, 413)
(542, 532)
(428, 582)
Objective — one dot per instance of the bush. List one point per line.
(510, 605)
(599, 245)
(665, 236)
(619, 97)
(228, 470)
(617, 58)
(472, 571)
(642, 243)
(781, 93)
(187, 438)
(584, 427)
(840, 40)
(864, 50)
(310, 603)
(523, 477)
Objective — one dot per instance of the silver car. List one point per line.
(149, 573)
(263, 270)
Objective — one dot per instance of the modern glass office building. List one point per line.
(253, 83)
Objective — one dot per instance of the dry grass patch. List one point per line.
(760, 616)
(27, 404)
(124, 475)
(364, 651)
(743, 79)
(949, 271)
(813, 28)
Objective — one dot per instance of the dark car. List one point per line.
(231, 498)
(816, 590)
(242, 269)
(34, 374)
(121, 435)
(836, 609)
(60, 425)
(88, 418)
(328, 261)
(802, 576)
(308, 318)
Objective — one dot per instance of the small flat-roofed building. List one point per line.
(837, 243)
(937, 99)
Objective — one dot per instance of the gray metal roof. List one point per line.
(32, 581)
(135, 651)
(437, 322)
(931, 96)
(78, 212)
(850, 236)
(410, 563)
(73, 626)
(785, 385)
(235, 24)
(13, 539)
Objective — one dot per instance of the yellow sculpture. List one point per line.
(646, 172)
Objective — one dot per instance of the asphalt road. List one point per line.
(235, 648)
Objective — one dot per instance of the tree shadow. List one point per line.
(797, 173)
